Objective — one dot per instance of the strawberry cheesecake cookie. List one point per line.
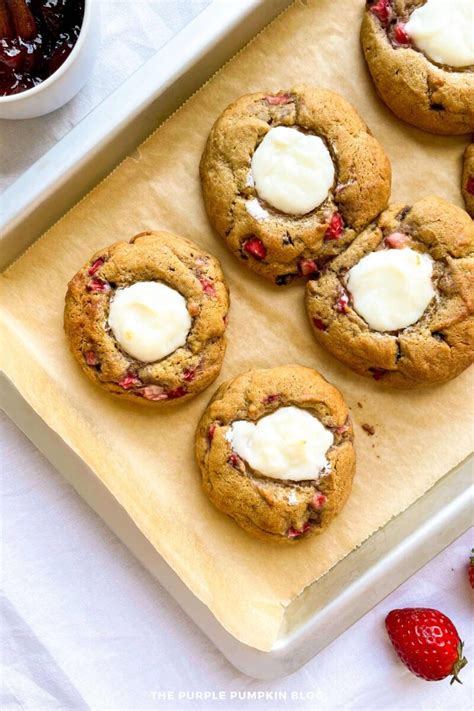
(146, 318)
(420, 54)
(289, 178)
(398, 305)
(468, 179)
(275, 450)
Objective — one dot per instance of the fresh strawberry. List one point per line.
(471, 569)
(427, 642)
(470, 185)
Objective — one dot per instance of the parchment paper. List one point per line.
(146, 458)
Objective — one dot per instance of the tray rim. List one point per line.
(292, 648)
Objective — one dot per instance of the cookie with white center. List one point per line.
(468, 179)
(420, 54)
(275, 451)
(289, 178)
(398, 305)
(146, 318)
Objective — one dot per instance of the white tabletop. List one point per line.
(83, 625)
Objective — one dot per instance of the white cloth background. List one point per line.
(83, 625)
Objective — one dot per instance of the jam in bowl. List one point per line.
(36, 38)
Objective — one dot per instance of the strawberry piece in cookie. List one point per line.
(335, 228)
(278, 99)
(397, 240)
(307, 267)
(255, 247)
(382, 10)
(401, 35)
(129, 381)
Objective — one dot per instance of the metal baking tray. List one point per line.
(330, 605)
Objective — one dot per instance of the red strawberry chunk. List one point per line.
(470, 185)
(211, 432)
(271, 398)
(318, 500)
(382, 10)
(154, 392)
(208, 287)
(400, 34)
(294, 533)
(427, 642)
(255, 247)
(234, 460)
(307, 266)
(129, 381)
(378, 373)
(189, 374)
(397, 240)
(342, 304)
(176, 392)
(336, 227)
(317, 323)
(98, 285)
(278, 100)
(91, 358)
(95, 266)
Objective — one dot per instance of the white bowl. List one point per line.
(63, 84)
